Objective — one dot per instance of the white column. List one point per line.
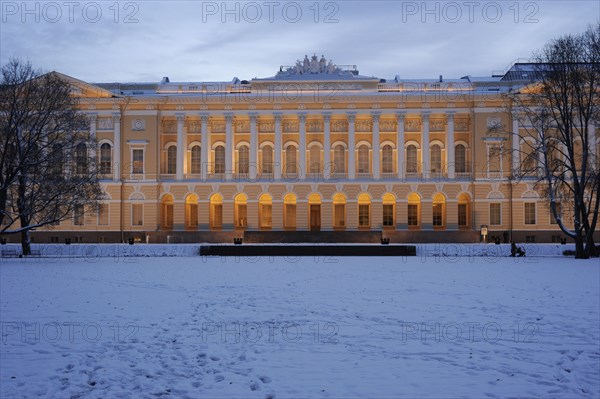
(302, 147)
(180, 145)
(592, 141)
(117, 148)
(229, 167)
(93, 122)
(400, 145)
(376, 146)
(450, 145)
(205, 144)
(426, 172)
(327, 145)
(253, 147)
(516, 139)
(351, 146)
(277, 150)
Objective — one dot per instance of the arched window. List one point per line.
(439, 210)
(339, 211)
(241, 211)
(339, 159)
(81, 159)
(436, 158)
(364, 210)
(172, 160)
(291, 163)
(265, 211)
(387, 159)
(267, 159)
(463, 210)
(243, 160)
(460, 158)
(412, 163)
(105, 159)
(389, 210)
(195, 160)
(414, 210)
(57, 159)
(220, 159)
(216, 211)
(315, 159)
(191, 211)
(363, 159)
(167, 212)
(289, 212)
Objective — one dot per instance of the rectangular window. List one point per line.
(494, 160)
(217, 216)
(462, 215)
(265, 215)
(495, 214)
(241, 216)
(290, 216)
(339, 212)
(363, 216)
(437, 215)
(388, 215)
(558, 212)
(413, 215)
(138, 161)
(103, 215)
(530, 213)
(137, 214)
(78, 215)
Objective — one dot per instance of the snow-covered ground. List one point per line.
(288, 327)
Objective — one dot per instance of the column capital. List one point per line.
(253, 116)
(229, 117)
(327, 117)
(278, 116)
(116, 117)
(204, 116)
(425, 116)
(376, 115)
(351, 116)
(302, 116)
(180, 117)
(400, 115)
(450, 115)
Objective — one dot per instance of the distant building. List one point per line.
(316, 147)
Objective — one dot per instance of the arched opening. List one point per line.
(339, 160)
(289, 211)
(243, 164)
(413, 219)
(216, 211)
(81, 159)
(387, 159)
(363, 159)
(195, 160)
(364, 211)
(191, 211)
(436, 158)
(412, 162)
(267, 160)
(339, 211)
(463, 211)
(171, 160)
(219, 159)
(314, 214)
(265, 211)
(105, 159)
(439, 211)
(315, 160)
(241, 211)
(167, 212)
(389, 210)
(460, 158)
(291, 161)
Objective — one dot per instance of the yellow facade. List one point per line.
(315, 149)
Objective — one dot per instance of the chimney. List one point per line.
(441, 78)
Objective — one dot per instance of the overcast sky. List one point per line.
(107, 41)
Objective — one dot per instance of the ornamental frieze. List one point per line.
(242, 127)
(339, 126)
(194, 127)
(437, 125)
(266, 127)
(218, 127)
(387, 126)
(105, 124)
(169, 127)
(314, 126)
(412, 125)
(290, 127)
(461, 125)
(363, 126)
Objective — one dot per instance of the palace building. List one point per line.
(317, 147)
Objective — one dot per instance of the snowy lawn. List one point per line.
(288, 328)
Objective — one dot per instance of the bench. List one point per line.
(9, 253)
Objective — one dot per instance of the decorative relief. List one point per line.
(314, 126)
(412, 125)
(493, 122)
(376, 106)
(169, 127)
(387, 126)
(252, 106)
(217, 127)
(242, 127)
(351, 106)
(194, 127)
(105, 124)
(277, 106)
(301, 106)
(204, 107)
(400, 105)
(266, 127)
(339, 126)
(92, 106)
(363, 126)
(228, 107)
(290, 127)
(437, 125)
(179, 108)
(151, 107)
(138, 125)
(461, 125)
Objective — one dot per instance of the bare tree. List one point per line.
(47, 164)
(558, 112)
